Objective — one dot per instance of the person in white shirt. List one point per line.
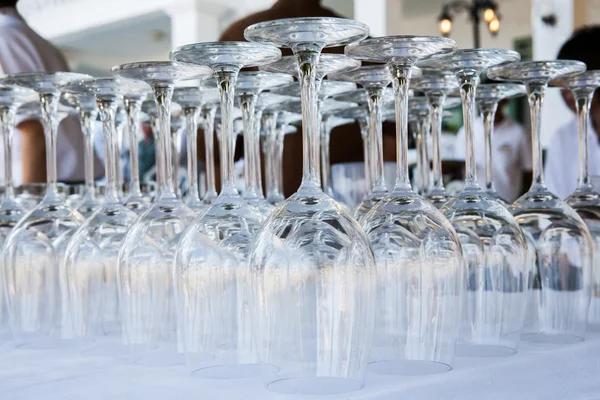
(23, 50)
(562, 155)
(511, 154)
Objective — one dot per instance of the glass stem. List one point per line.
(49, 104)
(583, 103)
(7, 120)
(375, 103)
(119, 161)
(535, 96)
(175, 156)
(269, 122)
(87, 119)
(278, 169)
(133, 108)
(364, 125)
(191, 126)
(257, 158)
(436, 108)
(326, 127)
(208, 116)
(424, 128)
(247, 103)
(401, 78)
(163, 95)
(308, 60)
(468, 86)
(489, 115)
(226, 79)
(108, 110)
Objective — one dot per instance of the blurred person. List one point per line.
(562, 167)
(511, 154)
(23, 50)
(346, 142)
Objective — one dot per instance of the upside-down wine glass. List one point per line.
(585, 200)
(34, 251)
(221, 297)
(417, 252)
(87, 110)
(560, 277)
(436, 84)
(494, 247)
(132, 103)
(145, 267)
(92, 253)
(311, 256)
(488, 97)
(11, 211)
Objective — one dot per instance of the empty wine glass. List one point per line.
(145, 267)
(34, 251)
(10, 209)
(222, 301)
(92, 253)
(249, 86)
(585, 200)
(494, 247)
(436, 84)
(132, 103)
(560, 277)
(88, 111)
(311, 256)
(417, 252)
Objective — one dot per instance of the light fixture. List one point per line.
(478, 10)
(489, 15)
(494, 26)
(445, 22)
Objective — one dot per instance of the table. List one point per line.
(570, 372)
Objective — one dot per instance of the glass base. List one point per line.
(314, 385)
(229, 371)
(409, 367)
(484, 350)
(551, 338)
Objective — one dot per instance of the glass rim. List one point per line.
(501, 72)
(353, 50)
(178, 54)
(440, 61)
(31, 80)
(126, 70)
(587, 79)
(499, 90)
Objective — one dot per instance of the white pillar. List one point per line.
(547, 41)
(191, 24)
(372, 13)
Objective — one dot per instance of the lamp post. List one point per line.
(488, 9)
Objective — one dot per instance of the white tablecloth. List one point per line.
(570, 372)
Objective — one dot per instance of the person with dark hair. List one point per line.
(23, 50)
(561, 169)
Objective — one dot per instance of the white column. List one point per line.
(547, 41)
(372, 13)
(191, 24)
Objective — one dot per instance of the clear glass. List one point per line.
(132, 102)
(250, 84)
(92, 253)
(178, 124)
(86, 107)
(222, 346)
(208, 119)
(417, 251)
(120, 126)
(559, 241)
(11, 211)
(586, 200)
(34, 250)
(145, 267)
(436, 84)
(311, 256)
(494, 247)
(488, 97)
(374, 80)
(419, 119)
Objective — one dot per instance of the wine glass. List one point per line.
(249, 86)
(494, 247)
(585, 200)
(10, 209)
(488, 96)
(132, 103)
(34, 251)
(222, 300)
(92, 253)
(311, 261)
(417, 252)
(436, 84)
(145, 266)
(560, 277)
(87, 110)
